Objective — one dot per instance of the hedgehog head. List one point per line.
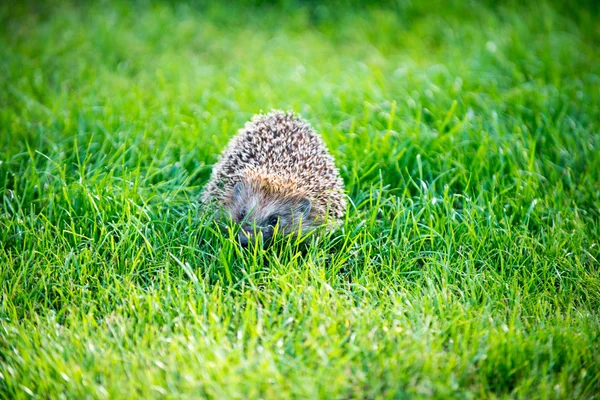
(268, 204)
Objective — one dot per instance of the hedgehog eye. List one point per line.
(273, 220)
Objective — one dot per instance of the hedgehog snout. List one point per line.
(243, 239)
(249, 234)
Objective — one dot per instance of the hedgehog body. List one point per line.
(277, 174)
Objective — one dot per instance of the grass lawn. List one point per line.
(468, 137)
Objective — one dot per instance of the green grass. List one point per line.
(468, 136)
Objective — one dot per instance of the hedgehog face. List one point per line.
(262, 213)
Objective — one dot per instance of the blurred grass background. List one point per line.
(468, 137)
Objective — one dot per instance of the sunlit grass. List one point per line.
(467, 266)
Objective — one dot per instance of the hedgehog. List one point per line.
(276, 175)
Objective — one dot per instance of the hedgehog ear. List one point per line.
(303, 207)
(238, 191)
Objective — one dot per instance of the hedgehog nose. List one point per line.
(243, 239)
